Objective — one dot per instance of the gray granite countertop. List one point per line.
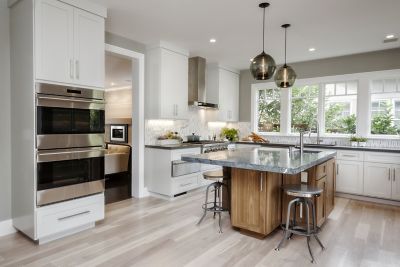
(172, 147)
(334, 147)
(264, 159)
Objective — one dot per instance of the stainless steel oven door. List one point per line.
(180, 168)
(64, 122)
(69, 173)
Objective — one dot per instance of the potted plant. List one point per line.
(231, 134)
(362, 141)
(354, 141)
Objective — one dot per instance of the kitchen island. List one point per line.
(256, 202)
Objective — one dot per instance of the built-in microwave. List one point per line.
(119, 133)
(69, 117)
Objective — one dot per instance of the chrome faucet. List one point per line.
(302, 140)
(318, 129)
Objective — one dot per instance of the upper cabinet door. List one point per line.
(54, 41)
(89, 50)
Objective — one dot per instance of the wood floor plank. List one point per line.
(155, 232)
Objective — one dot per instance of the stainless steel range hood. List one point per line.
(197, 83)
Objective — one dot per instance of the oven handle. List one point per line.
(60, 155)
(69, 102)
(70, 99)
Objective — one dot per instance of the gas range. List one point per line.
(208, 146)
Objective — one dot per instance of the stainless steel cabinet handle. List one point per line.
(394, 174)
(261, 182)
(71, 69)
(349, 156)
(337, 168)
(77, 69)
(389, 174)
(74, 215)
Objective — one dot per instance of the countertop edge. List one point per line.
(166, 147)
(370, 149)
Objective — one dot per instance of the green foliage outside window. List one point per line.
(382, 122)
(269, 111)
(304, 107)
(336, 123)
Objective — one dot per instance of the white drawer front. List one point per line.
(350, 155)
(382, 157)
(177, 154)
(68, 215)
(180, 185)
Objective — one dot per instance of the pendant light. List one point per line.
(285, 76)
(263, 66)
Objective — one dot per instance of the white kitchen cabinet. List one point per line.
(54, 39)
(349, 177)
(89, 49)
(396, 182)
(377, 179)
(166, 93)
(69, 45)
(223, 89)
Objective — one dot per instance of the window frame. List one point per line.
(364, 88)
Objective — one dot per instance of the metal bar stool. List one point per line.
(215, 206)
(304, 194)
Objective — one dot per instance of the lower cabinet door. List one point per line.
(377, 180)
(349, 177)
(396, 182)
(320, 202)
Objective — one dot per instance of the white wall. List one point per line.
(5, 136)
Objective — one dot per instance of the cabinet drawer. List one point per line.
(320, 171)
(177, 154)
(68, 215)
(382, 157)
(350, 155)
(184, 184)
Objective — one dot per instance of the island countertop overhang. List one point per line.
(264, 159)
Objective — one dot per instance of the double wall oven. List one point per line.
(70, 142)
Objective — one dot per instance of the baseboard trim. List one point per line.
(6, 228)
(369, 199)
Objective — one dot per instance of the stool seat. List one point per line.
(214, 175)
(302, 190)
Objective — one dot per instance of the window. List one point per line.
(340, 107)
(304, 107)
(268, 110)
(385, 107)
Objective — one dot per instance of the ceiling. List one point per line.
(118, 72)
(334, 28)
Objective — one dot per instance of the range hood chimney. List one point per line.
(197, 83)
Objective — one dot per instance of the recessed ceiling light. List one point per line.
(390, 36)
(112, 83)
(311, 49)
(212, 40)
(251, 59)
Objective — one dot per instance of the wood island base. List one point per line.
(258, 205)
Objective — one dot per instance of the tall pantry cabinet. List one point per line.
(57, 42)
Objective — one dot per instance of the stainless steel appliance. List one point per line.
(119, 133)
(70, 143)
(180, 168)
(68, 117)
(208, 146)
(69, 173)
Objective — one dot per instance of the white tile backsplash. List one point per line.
(198, 123)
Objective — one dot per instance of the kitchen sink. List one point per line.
(319, 145)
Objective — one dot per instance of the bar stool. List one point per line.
(304, 194)
(215, 206)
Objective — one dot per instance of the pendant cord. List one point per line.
(264, 31)
(285, 45)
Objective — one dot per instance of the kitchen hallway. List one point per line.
(155, 232)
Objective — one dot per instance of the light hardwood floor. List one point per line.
(154, 232)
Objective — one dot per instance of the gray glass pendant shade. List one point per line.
(285, 77)
(262, 67)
